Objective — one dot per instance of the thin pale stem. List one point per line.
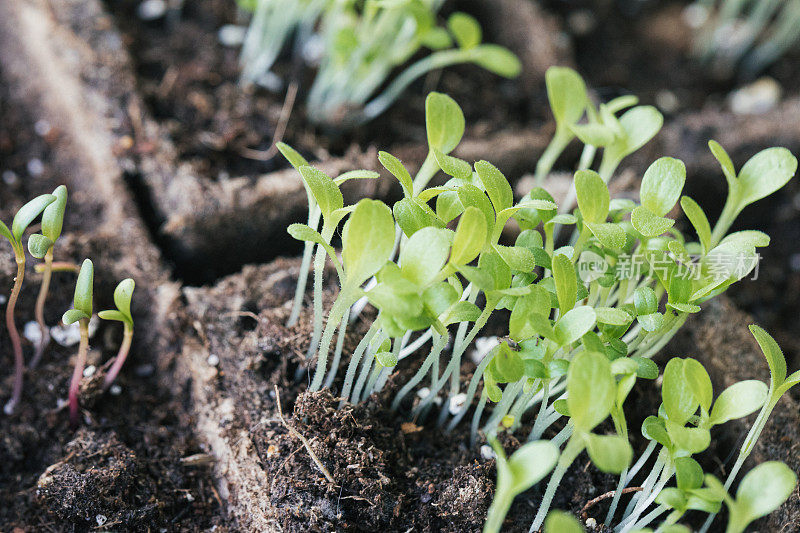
(570, 453)
(302, 279)
(352, 366)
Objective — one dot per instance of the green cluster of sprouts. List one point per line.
(52, 207)
(586, 311)
(362, 43)
(745, 35)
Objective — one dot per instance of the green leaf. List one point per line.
(765, 173)
(593, 134)
(73, 315)
(530, 463)
(688, 473)
(648, 223)
(763, 490)
(28, 212)
(654, 428)
(645, 301)
(461, 312)
(386, 359)
(305, 233)
(38, 245)
(612, 316)
(537, 302)
(591, 390)
(561, 522)
(496, 185)
(444, 121)
(356, 175)
(574, 324)
(470, 195)
(647, 368)
(123, 294)
(672, 498)
(739, 400)
(424, 254)
(448, 206)
(453, 166)
(53, 215)
(566, 92)
(412, 215)
(516, 257)
(699, 382)
(593, 196)
(662, 185)
(496, 59)
(688, 439)
(725, 162)
(5, 232)
(699, 220)
(324, 189)
(609, 453)
(395, 166)
(367, 241)
(111, 314)
(651, 322)
(640, 124)
(680, 402)
(465, 30)
(610, 235)
(566, 282)
(82, 300)
(469, 238)
(292, 155)
(506, 365)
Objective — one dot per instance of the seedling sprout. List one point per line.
(122, 299)
(80, 313)
(24, 217)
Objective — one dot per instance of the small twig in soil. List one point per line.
(305, 442)
(609, 494)
(280, 128)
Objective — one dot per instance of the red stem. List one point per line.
(120, 359)
(19, 364)
(77, 374)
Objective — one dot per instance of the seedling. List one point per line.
(363, 44)
(80, 313)
(525, 468)
(26, 214)
(761, 491)
(596, 305)
(122, 299)
(744, 35)
(40, 245)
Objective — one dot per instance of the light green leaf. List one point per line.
(680, 403)
(73, 315)
(662, 185)
(739, 400)
(38, 245)
(612, 316)
(645, 301)
(648, 223)
(123, 294)
(593, 196)
(412, 215)
(367, 241)
(507, 365)
(424, 254)
(609, 453)
(386, 359)
(574, 324)
(765, 173)
(610, 235)
(444, 121)
(496, 185)
(591, 390)
(356, 175)
(324, 189)
(28, 212)
(112, 314)
(725, 162)
(465, 30)
(470, 236)
(292, 155)
(593, 134)
(453, 166)
(82, 300)
(699, 220)
(566, 282)
(566, 91)
(699, 382)
(395, 166)
(688, 439)
(305, 233)
(53, 215)
(461, 312)
(763, 490)
(561, 522)
(517, 257)
(497, 59)
(530, 463)
(688, 473)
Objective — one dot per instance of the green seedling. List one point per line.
(122, 299)
(80, 313)
(525, 468)
(24, 217)
(363, 44)
(761, 491)
(561, 522)
(744, 35)
(598, 303)
(40, 245)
